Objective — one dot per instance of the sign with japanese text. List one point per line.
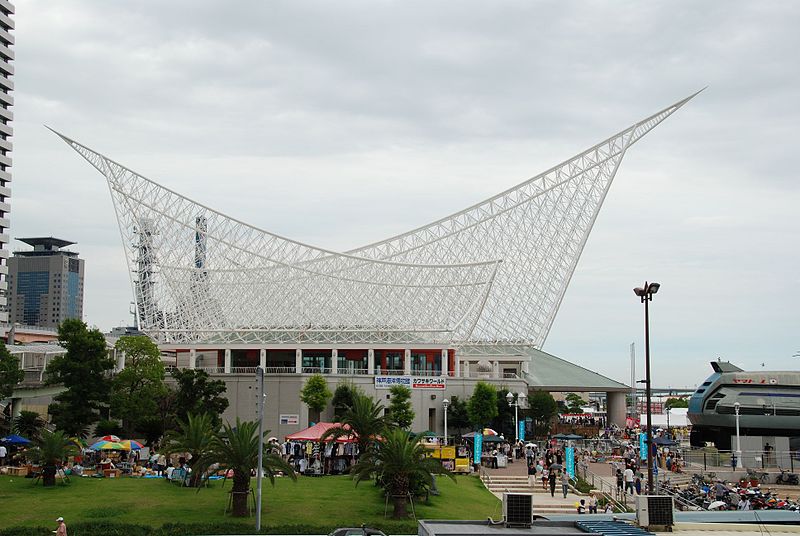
(412, 382)
(478, 448)
(569, 458)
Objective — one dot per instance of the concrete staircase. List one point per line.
(543, 504)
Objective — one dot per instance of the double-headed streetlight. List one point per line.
(521, 401)
(445, 405)
(736, 407)
(646, 294)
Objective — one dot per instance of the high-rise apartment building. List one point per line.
(45, 283)
(6, 132)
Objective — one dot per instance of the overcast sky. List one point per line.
(341, 123)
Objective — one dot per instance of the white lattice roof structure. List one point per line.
(490, 276)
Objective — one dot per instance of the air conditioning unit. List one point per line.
(518, 509)
(655, 511)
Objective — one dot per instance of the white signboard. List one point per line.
(290, 419)
(412, 382)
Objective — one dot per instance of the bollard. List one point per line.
(705, 466)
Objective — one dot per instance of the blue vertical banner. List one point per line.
(521, 431)
(478, 448)
(643, 445)
(569, 458)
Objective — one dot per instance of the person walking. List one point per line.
(62, 527)
(629, 481)
(592, 503)
(564, 483)
(545, 478)
(552, 479)
(531, 475)
(620, 481)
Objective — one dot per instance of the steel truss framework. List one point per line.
(487, 279)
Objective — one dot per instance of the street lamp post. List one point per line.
(521, 399)
(669, 435)
(736, 407)
(445, 405)
(646, 295)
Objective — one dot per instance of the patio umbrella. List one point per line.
(529, 445)
(112, 438)
(109, 445)
(131, 444)
(555, 466)
(489, 431)
(716, 505)
(492, 439)
(14, 439)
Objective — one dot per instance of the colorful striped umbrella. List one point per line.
(131, 444)
(112, 438)
(109, 445)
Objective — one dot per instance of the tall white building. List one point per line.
(6, 132)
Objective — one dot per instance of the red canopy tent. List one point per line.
(314, 433)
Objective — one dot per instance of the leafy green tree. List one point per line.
(343, 398)
(574, 403)
(400, 412)
(137, 388)
(676, 403)
(235, 448)
(364, 419)
(315, 394)
(542, 408)
(399, 464)
(28, 424)
(195, 436)
(195, 392)
(83, 371)
(482, 405)
(504, 421)
(51, 449)
(108, 427)
(10, 372)
(457, 415)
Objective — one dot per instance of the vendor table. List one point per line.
(18, 471)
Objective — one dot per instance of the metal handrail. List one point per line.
(612, 495)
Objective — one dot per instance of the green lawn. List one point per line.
(324, 502)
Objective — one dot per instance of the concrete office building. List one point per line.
(6, 132)
(45, 283)
(469, 297)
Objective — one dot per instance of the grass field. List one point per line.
(326, 502)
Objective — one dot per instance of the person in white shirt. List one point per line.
(629, 480)
(3, 454)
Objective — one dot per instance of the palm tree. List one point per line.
(51, 449)
(236, 449)
(195, 437)
(28, 424)
(364, 419)
(399, 464)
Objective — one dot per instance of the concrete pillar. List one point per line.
(371, 361)
(262, 358)
(466, 369)
(444, 362)
(457, 373)
(192, 358)
(495, 369)
(407, 362)
(120, 360)
(334, 361)
(298, 361)
(526, 367)
(617, 409)
(227, 360)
